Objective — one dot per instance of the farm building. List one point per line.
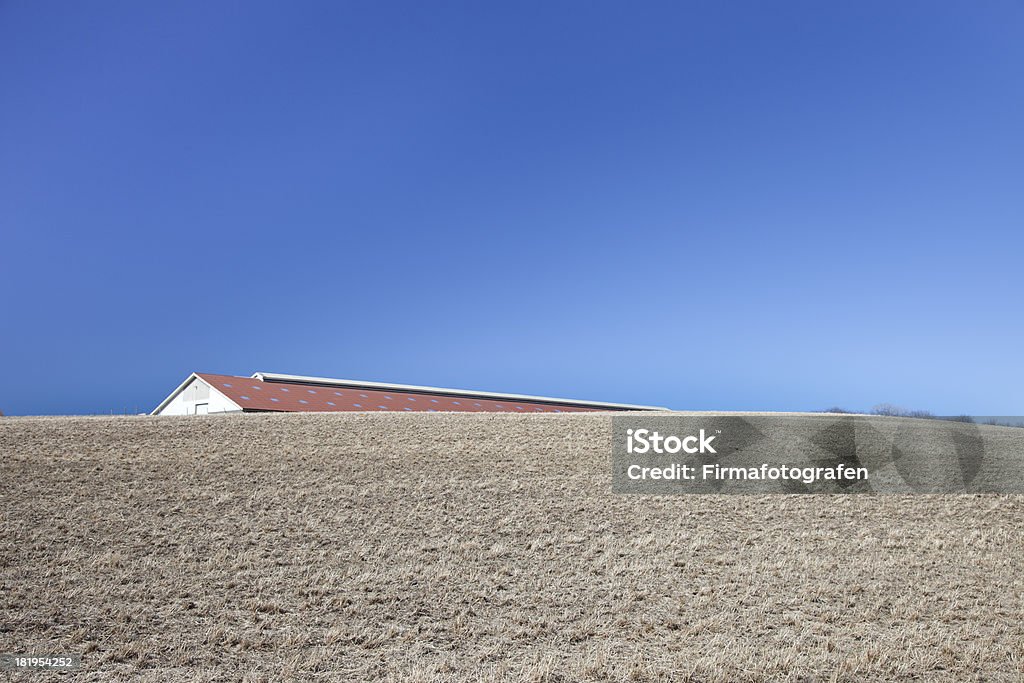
(203, 393)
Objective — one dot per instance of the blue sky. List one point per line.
(740, 205)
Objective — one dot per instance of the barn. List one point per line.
(204, 393)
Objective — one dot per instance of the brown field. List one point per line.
(437, 547)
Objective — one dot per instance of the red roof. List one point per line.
(256, 395)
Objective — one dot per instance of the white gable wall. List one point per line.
(198, 398)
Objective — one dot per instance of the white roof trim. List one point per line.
(300, 379)
(181, 387)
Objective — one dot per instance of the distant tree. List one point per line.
(992, 422)
(889, 410)
(837, 409)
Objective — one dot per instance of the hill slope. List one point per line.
(449, 547)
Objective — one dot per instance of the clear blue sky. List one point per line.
(739, 205)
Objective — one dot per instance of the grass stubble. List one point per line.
(448, 547)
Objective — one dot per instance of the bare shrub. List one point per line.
(889, 410)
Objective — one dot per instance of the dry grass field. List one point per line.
(440, 547)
